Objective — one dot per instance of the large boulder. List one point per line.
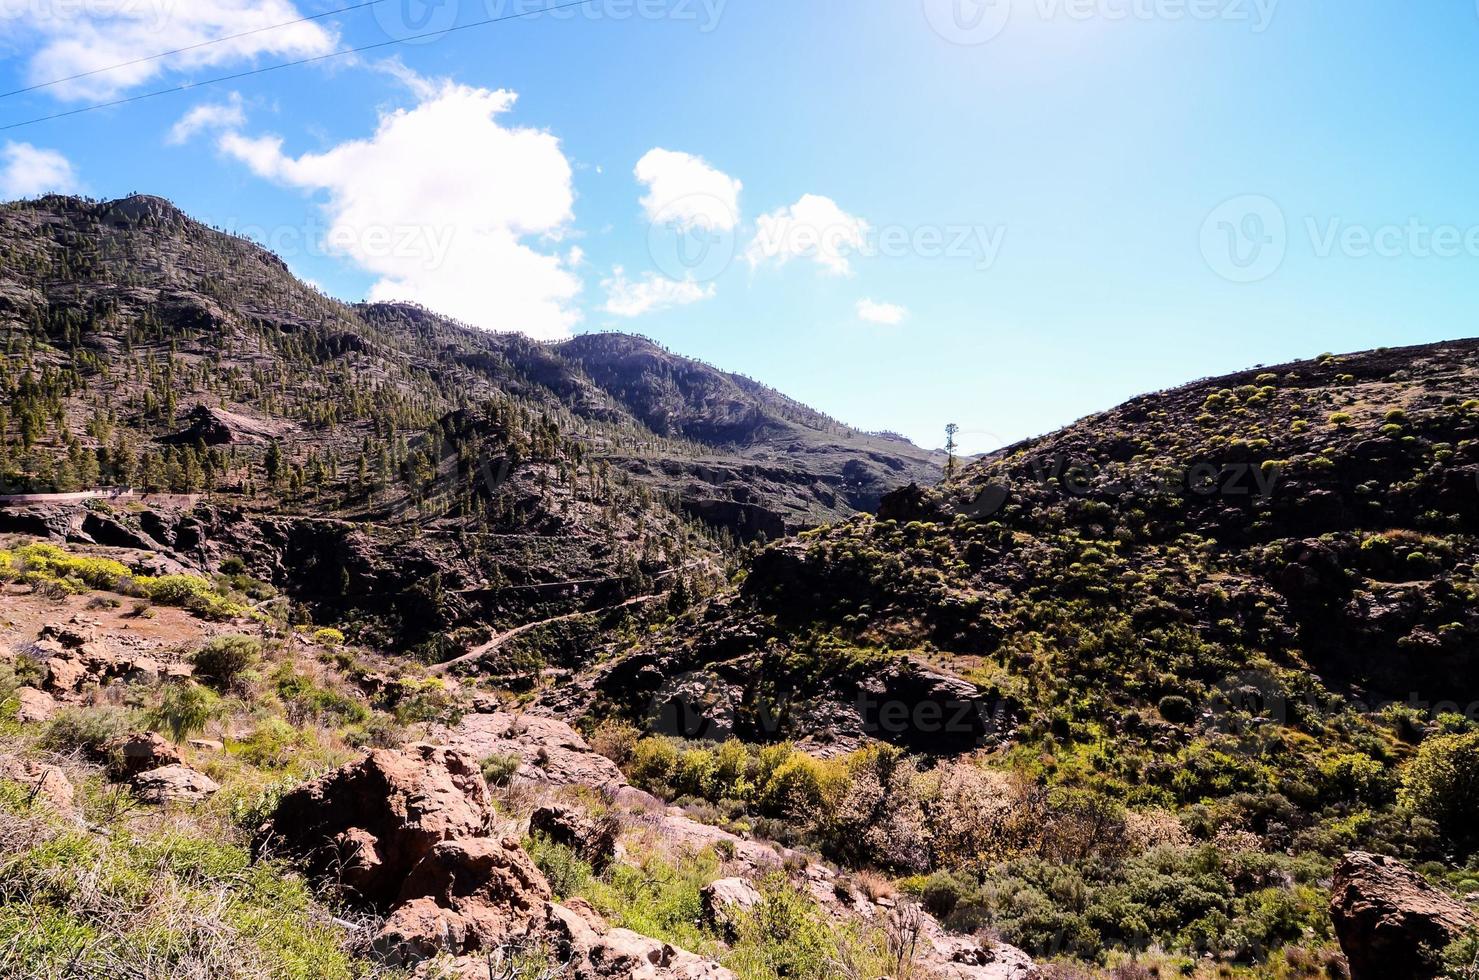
(1391, 923)
(465, 896)
(33, 706)
(373, 821)
(725, 900)
(592, 840)
(143, 751)
(173, 784)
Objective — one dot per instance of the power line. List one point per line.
(190, 47)
(295, 64)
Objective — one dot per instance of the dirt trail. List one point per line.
(477, 653)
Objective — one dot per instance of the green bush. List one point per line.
(86, 730)
(224, 659)
(783, 936)
(184, 710)
(654, 764)
(272, 744)
(1442, 783)
(567, 874)
(500, 769)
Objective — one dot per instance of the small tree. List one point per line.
(951, 465)
(1442, 784)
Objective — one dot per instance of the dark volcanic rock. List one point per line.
(1391, 923)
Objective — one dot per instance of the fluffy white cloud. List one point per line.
(685, 191)
(209, 115)
(28, 171)
(66, 39)
(440, 203)
(888, 314)
(629, 298)
(815, 228)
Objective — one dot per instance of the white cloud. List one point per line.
(64, 39)
(815, 228)
(628, 298)
(28, 171)
(888, 314)
(686, 191)
(208, 115)
(439, 203)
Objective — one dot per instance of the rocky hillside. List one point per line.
(388, 467)
(1250, 602)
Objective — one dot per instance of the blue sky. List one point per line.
(917, 212)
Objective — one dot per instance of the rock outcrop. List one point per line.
(372, 822)
(1391, 923)
(725, 899)
(144, 751)
(409, 833)
(592, 840)
(173, 784)
(464, 895)
(33, 706)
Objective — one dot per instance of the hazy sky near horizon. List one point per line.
(1004, 214)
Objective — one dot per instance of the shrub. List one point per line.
(1177, 709)
(1442, 783)
(1357, 778)
(272, 744)
(499, 770)
(616, 741)
(86, 730)
(566, 873)
(783, 936)
(184, 710)
(224, 659)
(380, 732)
(329, 637)
(654, 763)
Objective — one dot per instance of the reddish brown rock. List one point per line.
(34, 706)
(47, 783)
(1391, 923)
(144, 751)
(381, 816)
(64, 674)
(465, 895)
